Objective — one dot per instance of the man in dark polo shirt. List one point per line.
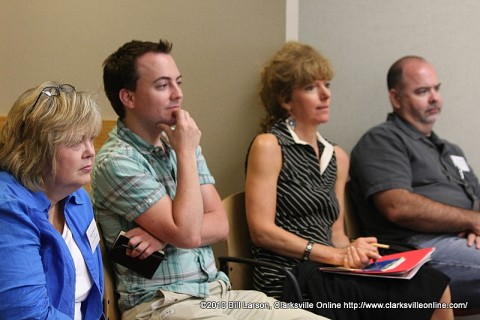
(410, 185)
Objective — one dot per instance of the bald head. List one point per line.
(395, 73)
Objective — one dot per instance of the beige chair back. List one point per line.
(352, 223)
(110, 306)
(238, 241)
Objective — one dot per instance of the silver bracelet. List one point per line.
(308, 250)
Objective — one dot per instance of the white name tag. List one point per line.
(460, 163)
(93, 235)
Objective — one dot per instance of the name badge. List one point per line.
(93, 235)
(460, 163)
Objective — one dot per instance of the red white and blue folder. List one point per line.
(402, 265)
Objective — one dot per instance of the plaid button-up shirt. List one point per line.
(130, 175)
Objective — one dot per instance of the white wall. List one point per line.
(363, 38)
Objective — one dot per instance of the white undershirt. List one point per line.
(83, 282)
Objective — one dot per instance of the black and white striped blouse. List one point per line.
(306, 201)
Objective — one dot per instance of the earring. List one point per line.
(291, 122)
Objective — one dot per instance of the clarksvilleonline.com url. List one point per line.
(213, 304)
(392, 305)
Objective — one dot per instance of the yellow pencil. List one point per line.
(380, 245)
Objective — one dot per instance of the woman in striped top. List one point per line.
(295, 199)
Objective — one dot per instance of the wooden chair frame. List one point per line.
(239, 262)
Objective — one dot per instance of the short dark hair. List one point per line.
(395, 73)
(120, 69)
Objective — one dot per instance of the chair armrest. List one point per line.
(253, 262)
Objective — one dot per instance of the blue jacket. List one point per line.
(37, 273)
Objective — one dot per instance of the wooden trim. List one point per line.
(107, 126)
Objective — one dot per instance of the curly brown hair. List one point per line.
(293, 66)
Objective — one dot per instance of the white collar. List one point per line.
(327, 151)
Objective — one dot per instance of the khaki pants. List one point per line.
(221, 304)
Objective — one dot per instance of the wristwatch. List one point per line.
(308, 249)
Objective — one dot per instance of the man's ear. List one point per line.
(394, 96)
(127, 97)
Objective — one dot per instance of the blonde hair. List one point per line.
(37, 124)
(293, 66)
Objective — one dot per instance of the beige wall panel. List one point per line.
(219, 46)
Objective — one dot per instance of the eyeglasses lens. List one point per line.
(52, 92)
(55, 91)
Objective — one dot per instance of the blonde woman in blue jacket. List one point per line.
(51, 263)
